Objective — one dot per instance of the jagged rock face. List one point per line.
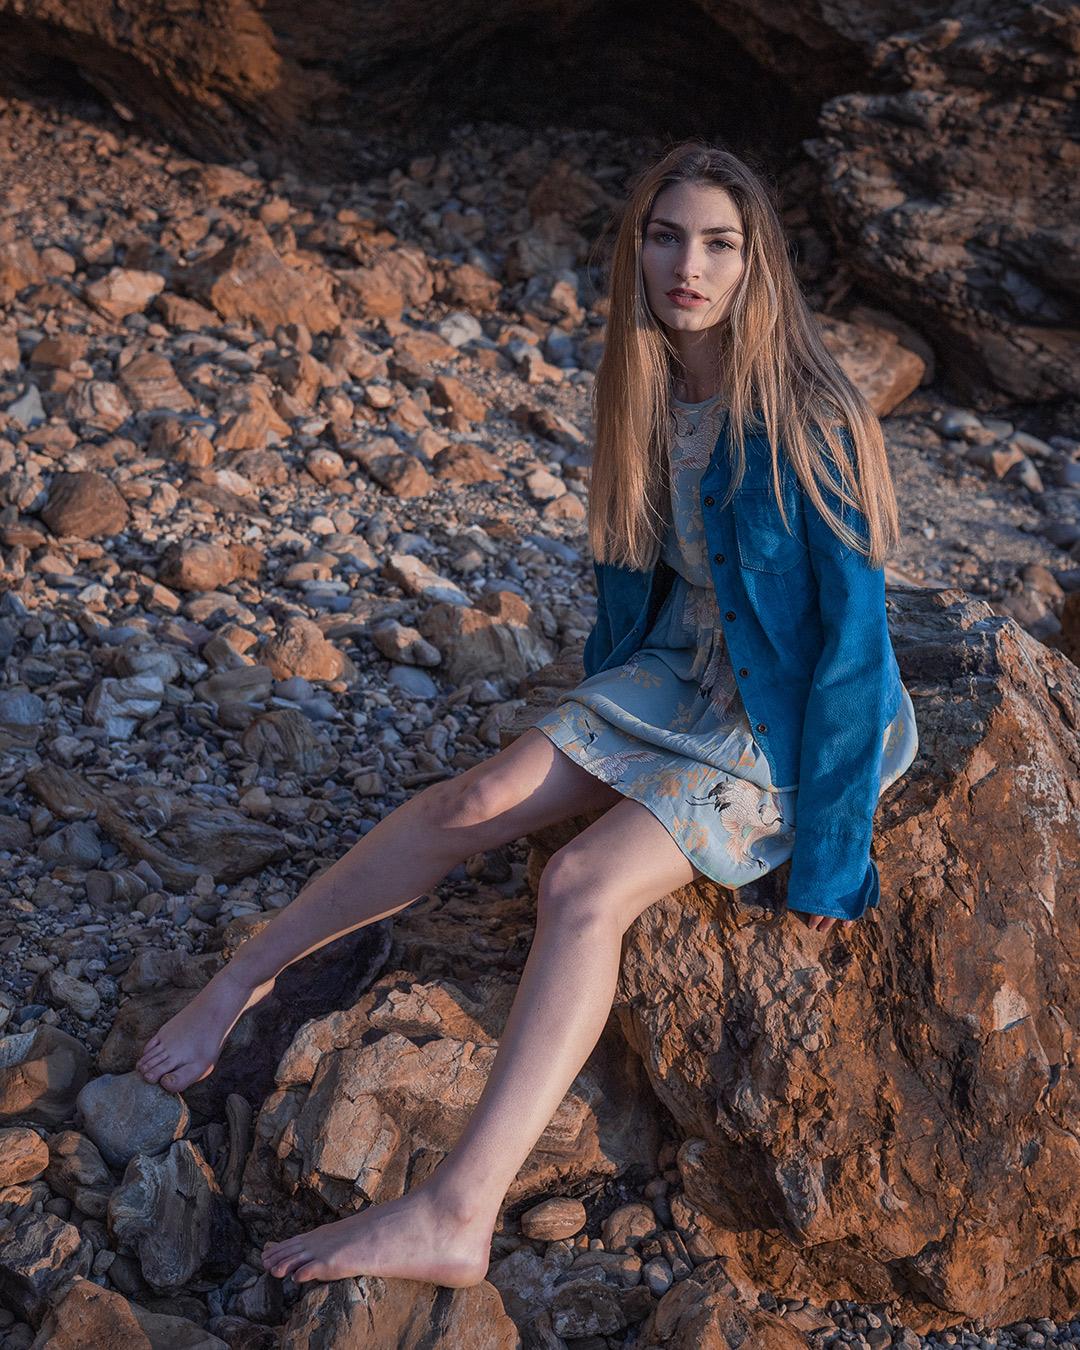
(953, 188)
(370, 1099)
(948, 166)
(887, 1108)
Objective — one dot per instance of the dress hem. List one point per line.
(727, 885)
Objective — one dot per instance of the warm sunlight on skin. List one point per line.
(694, 240)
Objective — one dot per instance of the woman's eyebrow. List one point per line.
(714, 229)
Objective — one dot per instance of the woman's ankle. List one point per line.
(465, 1205)
(243, 971)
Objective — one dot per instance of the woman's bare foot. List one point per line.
(185, 1049)
(411, 1238)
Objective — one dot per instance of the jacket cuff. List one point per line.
(850, 906)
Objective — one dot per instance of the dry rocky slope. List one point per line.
(292, 483)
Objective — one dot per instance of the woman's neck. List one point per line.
(692, 393)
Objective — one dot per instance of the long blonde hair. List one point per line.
(773, 363)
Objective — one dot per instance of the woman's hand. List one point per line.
(822, 923)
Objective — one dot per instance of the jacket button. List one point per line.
(743, 670)
(718, 557)
(708, 501)
(730, 614)
(762, 727)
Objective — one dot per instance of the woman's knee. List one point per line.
(573, 889)
(469, 801)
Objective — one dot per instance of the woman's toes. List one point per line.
(312, 1270)
(278, 1251)
(282, 1265)
(284, 1256)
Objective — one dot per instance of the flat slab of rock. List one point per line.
(195, 840)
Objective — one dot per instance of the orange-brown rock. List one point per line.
(881, 367)
(58, 353)
(367, 1312)
(496, 638)
(248, 280)
(249, 418)
(150, 382)
(20, 265)
(187, 444)
(472, 288)
(298, 647)
(86, 505)
(450, 392)
(878, 1112)
(700, 1311)
(123, 291)
(197, 565)
(461, 462)
(400, 279)
(359, 1117)
(87, 1315)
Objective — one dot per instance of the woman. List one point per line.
(706, 322)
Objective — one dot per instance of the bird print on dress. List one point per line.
(712, 666)
(686, 449)
(747, 818)
(610, 767)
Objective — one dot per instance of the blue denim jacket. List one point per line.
(806, 631)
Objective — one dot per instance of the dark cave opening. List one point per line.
(28, 69)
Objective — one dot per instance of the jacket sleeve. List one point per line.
(832, 872)
(598, 643)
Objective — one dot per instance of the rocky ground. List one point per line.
(292, 485)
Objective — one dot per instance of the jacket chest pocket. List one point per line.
(764, 543)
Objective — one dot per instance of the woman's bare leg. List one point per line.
(441, 1230)
(520, 789)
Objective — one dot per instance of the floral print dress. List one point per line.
(668, 728)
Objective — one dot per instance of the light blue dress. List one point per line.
(668, 728)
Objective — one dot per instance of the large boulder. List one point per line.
(370, 1099)
(883, 1111)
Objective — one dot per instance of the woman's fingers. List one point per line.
(821, 923)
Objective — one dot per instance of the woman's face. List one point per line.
(693, 241)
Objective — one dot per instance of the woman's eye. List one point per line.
(666, 234)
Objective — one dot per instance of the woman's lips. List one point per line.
(685, 300)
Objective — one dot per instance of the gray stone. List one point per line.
(125, 1115)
